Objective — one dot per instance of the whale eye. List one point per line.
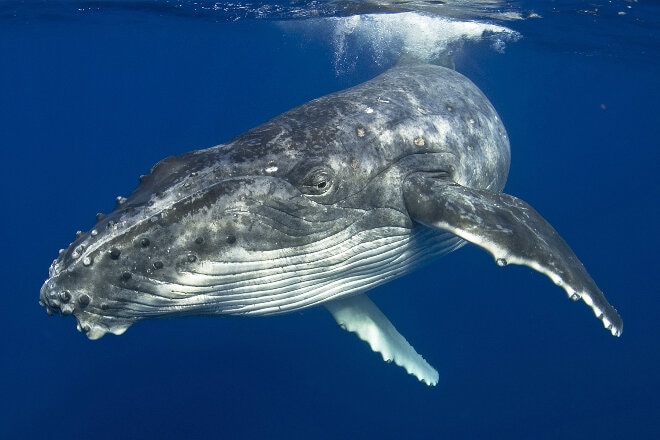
(318, 181)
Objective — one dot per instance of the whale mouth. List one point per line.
(95, 331)
(58, 300)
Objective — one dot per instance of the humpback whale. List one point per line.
(315, 208)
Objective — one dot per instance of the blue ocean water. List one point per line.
(92, 94)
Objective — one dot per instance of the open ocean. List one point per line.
(94, 93)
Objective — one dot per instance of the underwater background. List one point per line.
(92, 94)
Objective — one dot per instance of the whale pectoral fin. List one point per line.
(358, 314)
(511, 230)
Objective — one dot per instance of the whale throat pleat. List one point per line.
(290, 279)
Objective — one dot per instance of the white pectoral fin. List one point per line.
(358, 314)
(512, 231)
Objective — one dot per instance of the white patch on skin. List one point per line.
(503, 258)
(442, 128)
(386, 137)
(271, 170)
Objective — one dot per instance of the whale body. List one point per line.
(316, 207)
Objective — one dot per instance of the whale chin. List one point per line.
(95, 331)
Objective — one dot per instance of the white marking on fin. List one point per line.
(358, 314)
(510, 230)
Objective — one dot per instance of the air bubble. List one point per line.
(192, 258)
(145, 242)
(158, 264)
(199, 240)
(87, 261)
(575, 297)
(94, 233)
(65, 296)
(230, 239)
(501, 262)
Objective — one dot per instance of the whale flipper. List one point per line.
(358, 314)
(511, 230)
